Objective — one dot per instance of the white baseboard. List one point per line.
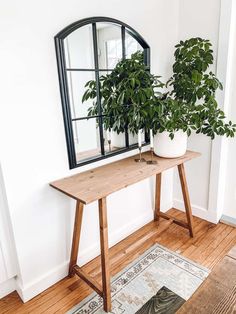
(197, 211)
(228, 220)
(32, 289)
(7, 287)
(40, 284)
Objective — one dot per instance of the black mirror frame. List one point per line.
(60, 55)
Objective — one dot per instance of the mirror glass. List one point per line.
(109, 45)
(76, 81)
(131, 45)
(89, 51)
(86, 139)
(79, 49)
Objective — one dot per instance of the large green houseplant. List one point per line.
(126, 95)
(191, 104)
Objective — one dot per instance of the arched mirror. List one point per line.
(86, 51)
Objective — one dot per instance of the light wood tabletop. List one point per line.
(100, 182)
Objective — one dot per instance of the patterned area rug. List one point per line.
(159, 281)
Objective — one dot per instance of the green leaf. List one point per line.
(172, 136)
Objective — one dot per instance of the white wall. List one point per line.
(33, 148)
(229, 205)
(199, 19)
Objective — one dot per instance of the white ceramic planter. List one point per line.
(118, 140)
(165, 147)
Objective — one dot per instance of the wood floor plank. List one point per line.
(200, 229)
(209, 245)
(47, 297)
(216, 244)
(211, 241)
(221, 250)
(9, 302)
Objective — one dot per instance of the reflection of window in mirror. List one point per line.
(113, 52)
(131, 45)
(107, 32)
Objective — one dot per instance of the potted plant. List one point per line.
(191, 104)
(126, 95)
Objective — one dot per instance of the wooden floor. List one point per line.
(208, 247)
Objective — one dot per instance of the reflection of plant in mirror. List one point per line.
(191, 105)
(126, 95)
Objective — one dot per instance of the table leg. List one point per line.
(186, 198)
(157, 198)
(104, 255)
(76, 237)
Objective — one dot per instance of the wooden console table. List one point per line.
(97, 184)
